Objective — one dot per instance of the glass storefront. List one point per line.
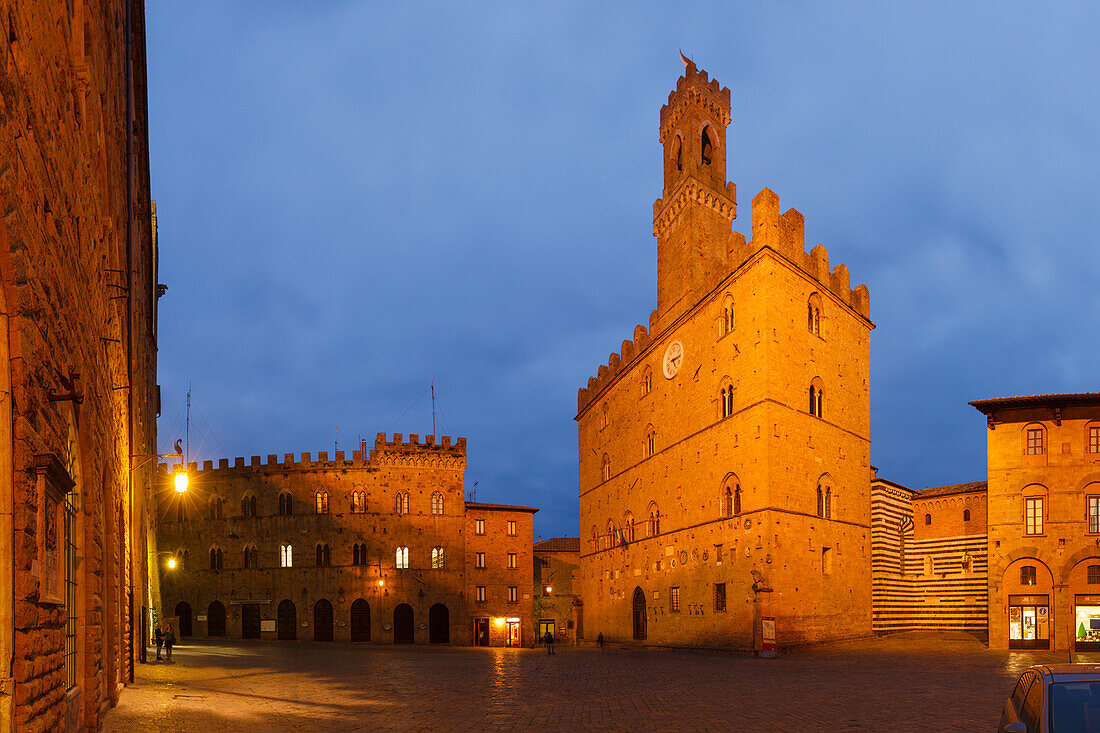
(1086, 622)
(1028, 622)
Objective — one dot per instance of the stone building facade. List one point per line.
(1044, 521)
(78, 395)
(724, 449)
(380, 548)
(557, 605)
(928, 557)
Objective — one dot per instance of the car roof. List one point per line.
(1067, 672)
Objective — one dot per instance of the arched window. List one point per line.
(678, 155)
(603, 416)
(358, 502)
(650, 442)
(628, 526)
(817, 397)
(402, 503)
(359, 554)
(250, 557)
(737, 501)
(820, 502)
(286, 504)
(606, 468)
(437, 558)
(286, 556)
(216, 510)
(402, 558)
(727, 502)
(215, 558)
(248, 506)
(595, 540)
(1034, 439)
(183, 558)
(647, 381)
(828, 502)
(323, 556)
(725, 401)
(654, 520)
(727, 315)
(707, 149)
(966, 515)
(813, 314)
(928, 519)
(437, 503)
(320, 502)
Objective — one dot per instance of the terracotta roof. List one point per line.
(951, 489)
(559, 544)
(500, 507)
(1037, 400)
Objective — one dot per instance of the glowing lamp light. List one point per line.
(181, 482)
(498, 621)
(171, 563)
(381, 582)
(548, 589)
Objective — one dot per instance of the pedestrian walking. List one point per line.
(169, 642)
(549, 641)
(599, 640)
(159, 637)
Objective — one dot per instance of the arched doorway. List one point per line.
(403, 624)
(1028, 589)
(250, 621)
(215, 619)
(439, 624)
(287, 621)
(322, 621)
(639, 615)
(360, 620)
(183, 614)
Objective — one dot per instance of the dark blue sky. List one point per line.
(356, 198)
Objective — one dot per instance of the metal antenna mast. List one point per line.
(433, 407)
(187, 460)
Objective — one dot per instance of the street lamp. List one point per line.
(171, 563)
(181, 481)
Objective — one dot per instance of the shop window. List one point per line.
(437, 503)
(437, 558)
(966, 515)
(720, 597)
(1093, 503)
(674, 599)
(1027, 575)
(1033, 515)
(402, 558)
(1093, 572)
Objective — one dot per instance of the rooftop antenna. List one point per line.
(433, 407)
(187, 459)
(475, 490)
(336, 443)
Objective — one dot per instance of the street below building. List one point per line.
(918, 682)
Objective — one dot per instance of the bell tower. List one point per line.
(693, 217)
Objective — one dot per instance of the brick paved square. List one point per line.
(909, 683)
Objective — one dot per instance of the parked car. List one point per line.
(1054, 698)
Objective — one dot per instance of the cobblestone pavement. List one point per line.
(912, 683)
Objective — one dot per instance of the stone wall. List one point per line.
(78, 276)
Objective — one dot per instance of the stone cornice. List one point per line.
(690, 191)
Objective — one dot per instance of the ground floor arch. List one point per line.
(439, 624)
(360, 620)
(215, 619)
(1028, 590)
(403, 625)
(322, 621)
(639, 615)
(287, 621)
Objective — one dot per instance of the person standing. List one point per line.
(159, 637)
(549, 641)
(169, 642)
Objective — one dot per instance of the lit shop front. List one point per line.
(1029, 622)
(1086, 623)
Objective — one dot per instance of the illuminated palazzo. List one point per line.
(724, 448)
(381, 548)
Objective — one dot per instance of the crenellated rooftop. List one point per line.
(384, 449)
(782, 233)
